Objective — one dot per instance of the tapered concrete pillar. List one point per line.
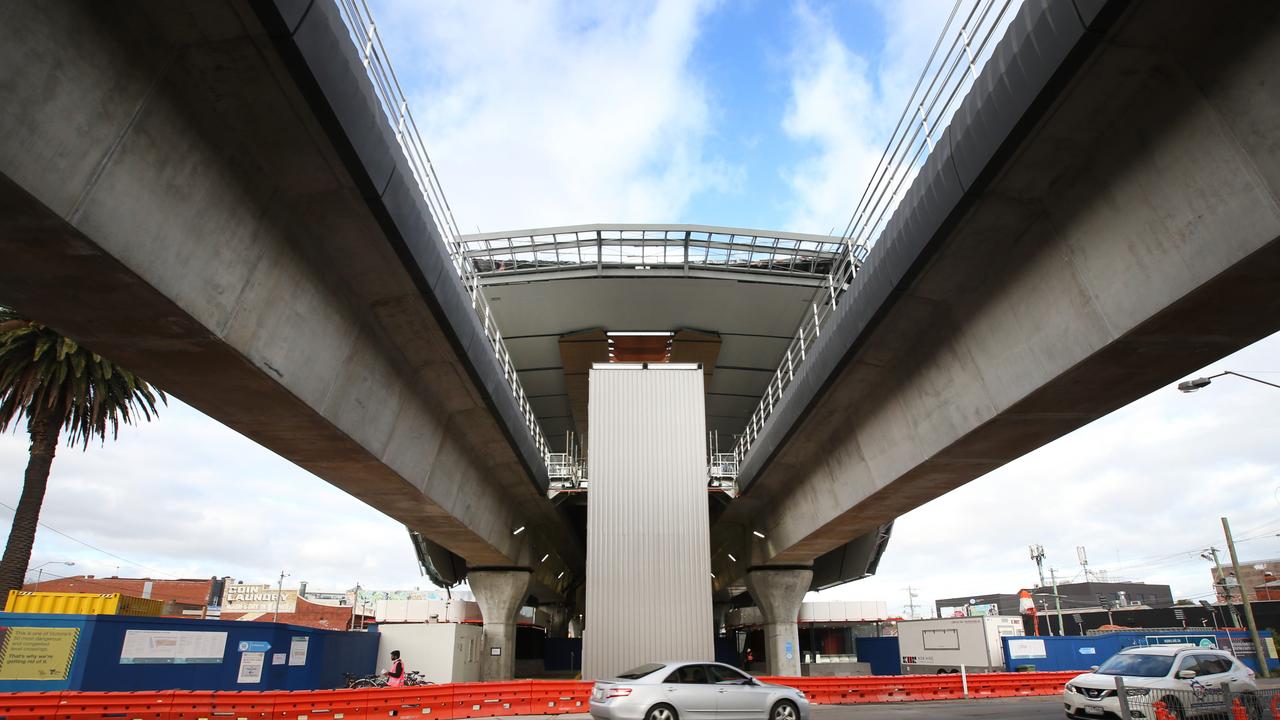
(499, 594)
(778, 594)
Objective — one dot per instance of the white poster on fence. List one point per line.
(1026, 649)
(175, 647)
(298, 650)
(251, 667)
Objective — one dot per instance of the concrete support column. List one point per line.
(499, 594)
(577, 624)
(778, 594)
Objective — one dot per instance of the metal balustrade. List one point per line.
(395, 107)
(966, 42)
(967, 39)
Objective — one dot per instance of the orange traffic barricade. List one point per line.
(418, 701)
(29, 705)
(155, 705)
(327, 704)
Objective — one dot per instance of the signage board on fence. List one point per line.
(37, 653)
(258, 598)
(1027, 649)
(298, 649)
(172, 647)
(251, 667)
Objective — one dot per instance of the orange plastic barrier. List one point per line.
(335, 704)
(489, 699)
(103, 705)
(28, 706)
(906, 688)
(550, 697)
(425, 701)
(476, 700)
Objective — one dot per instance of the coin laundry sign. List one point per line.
(258, 598)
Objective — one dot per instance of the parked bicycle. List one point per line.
(357, 682)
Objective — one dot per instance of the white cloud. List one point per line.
(845, 107)
(554, 113)
(1142, 489)
(186, 496)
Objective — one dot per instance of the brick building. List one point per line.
(1256, 574)
(195, 592)
(191, 595)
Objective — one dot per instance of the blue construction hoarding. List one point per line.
(1076, 652)
(111, 652)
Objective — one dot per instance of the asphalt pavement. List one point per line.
(1035, 708)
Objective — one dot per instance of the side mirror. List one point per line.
(1093, 668)
(1186, 674)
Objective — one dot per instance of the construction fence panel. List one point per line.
(1200, 701)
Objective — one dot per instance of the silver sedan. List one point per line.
(694, 691)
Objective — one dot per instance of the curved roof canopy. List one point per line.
(665, 250)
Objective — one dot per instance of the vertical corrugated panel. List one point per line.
(648, 544)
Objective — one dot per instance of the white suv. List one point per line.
(1193, 670)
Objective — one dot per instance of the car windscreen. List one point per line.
(637, 673)
(1137, 665)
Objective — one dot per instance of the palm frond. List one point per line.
(45, 373)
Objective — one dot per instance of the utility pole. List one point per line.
(275, 617)
(1037, 554)
(911, 602)
(1248, 608)
(1057, 601)
(1212, 553)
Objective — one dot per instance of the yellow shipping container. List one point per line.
(56, 603)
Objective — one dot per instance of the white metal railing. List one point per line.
(967, 40)
(395, 107)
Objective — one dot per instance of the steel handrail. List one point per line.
(364, 34)
(943, 83)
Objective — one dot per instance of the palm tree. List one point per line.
(56, 384)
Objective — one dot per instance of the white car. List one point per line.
(694, 691)
(1174, 674)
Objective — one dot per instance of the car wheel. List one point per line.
(1174, 707)
(784, 710)
(662, 712)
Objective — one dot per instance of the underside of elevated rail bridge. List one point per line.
(232, 199)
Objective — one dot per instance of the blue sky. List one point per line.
(759, 113)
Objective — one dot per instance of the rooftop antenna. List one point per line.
(1037, 554)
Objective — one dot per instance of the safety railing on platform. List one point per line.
(968, 37)
(395, 107)
(476, 700)
(1212, 701)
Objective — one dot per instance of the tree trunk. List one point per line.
(17, 552)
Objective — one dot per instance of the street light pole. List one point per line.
(275, 617)
(1248, 607)
(1212, 553)
(40, 571)
(1190, 386)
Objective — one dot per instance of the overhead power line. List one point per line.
(95, 548)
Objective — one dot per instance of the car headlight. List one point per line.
(1072, 689)
(1137, 692)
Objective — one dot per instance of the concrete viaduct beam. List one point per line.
(171, 197)
(1126, 238)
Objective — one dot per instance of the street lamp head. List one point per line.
(1190, 386)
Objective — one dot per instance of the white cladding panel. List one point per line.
(443, 652)
(648, 542)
